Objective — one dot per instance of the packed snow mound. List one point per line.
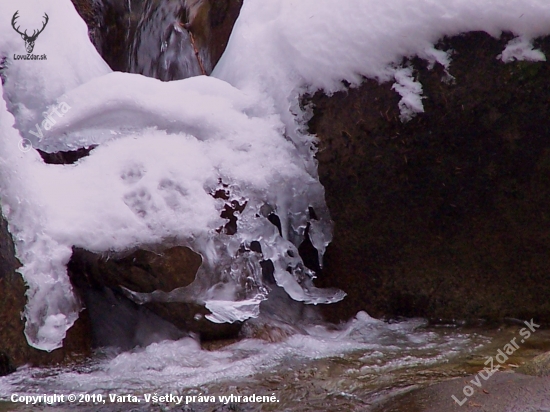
(166, 149)
(147, 185)
(71, 59)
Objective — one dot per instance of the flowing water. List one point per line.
(167, 44)
(355, 367)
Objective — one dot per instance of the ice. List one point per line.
(165, 149)
(411, 94)
(147, 185)
(230, 311)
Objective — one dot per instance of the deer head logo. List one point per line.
(29, 40)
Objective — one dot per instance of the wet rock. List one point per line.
(501, 392)
(14, 349)
(117, 320)
(538, 366)
(267, 331)
(443, 216)
(6, 366)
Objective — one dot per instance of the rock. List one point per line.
(65, 158)
(14, 349)
(6, 366)
(501, 392)
(118, 321)
(538, 366)
(443, 216)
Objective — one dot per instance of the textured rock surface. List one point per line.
(538, 366)
(501, 392)
(445, 216)
(118, 321)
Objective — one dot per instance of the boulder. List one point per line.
(444, 216)
(503, 391)
(538, 366)
(103, 283)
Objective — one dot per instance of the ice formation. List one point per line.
(166, 148)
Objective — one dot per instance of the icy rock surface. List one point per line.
(167, 148)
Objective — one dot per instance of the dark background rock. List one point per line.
(445, 216)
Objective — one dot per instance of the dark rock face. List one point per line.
(14, 350)
(117, 321)
(65, 158)
(444, 216)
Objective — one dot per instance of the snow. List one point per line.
(521, 49)
(310, 45)
(165, 148)
(411, 93)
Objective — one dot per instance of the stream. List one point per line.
(357, 367)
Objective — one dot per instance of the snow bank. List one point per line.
(71, 58)
(287, 48)
(147, 185)
(166, 148)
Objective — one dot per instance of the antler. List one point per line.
(35, 33)
(13, 19)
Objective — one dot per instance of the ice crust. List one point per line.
(165, 148)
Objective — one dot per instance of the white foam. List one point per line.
(165, 147)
